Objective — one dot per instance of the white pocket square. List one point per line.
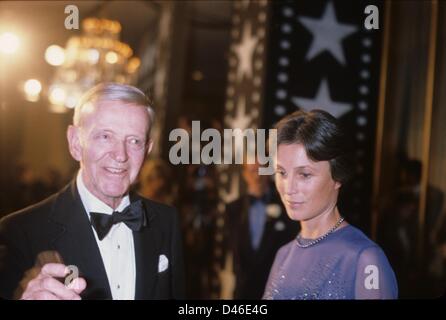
(163, 263)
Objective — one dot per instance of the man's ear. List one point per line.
(149, 146)
(74, 142)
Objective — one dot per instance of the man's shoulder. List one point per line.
(34, 211)
(236, 210)
(236, 204)
(158, 210)
(31, 215)
(158, 206)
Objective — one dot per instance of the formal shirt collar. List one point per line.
(92, 203)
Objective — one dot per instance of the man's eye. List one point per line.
(280, 173)
(104, 136)
(136, 142)
(305, 175)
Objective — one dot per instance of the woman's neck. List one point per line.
(321, 224)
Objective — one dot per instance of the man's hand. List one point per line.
(43, 284)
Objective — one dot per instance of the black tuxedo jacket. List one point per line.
(60, 223)
(251, 267)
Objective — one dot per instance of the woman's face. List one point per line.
(306, 188)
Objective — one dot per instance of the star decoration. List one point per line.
(327, 33)
(244, 51)
(322, 101)
(241, 119)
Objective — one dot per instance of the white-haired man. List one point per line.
(122, 245)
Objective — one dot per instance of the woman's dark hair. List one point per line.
(321, 135)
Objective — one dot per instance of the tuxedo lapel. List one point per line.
(146, 255)
(76, 243)
(268, 234)
(245, 231)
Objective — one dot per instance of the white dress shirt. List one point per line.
(117, 248)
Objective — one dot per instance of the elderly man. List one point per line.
(121, 245)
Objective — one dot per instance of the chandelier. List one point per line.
(95, 56)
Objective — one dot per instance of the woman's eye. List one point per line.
(306, 175)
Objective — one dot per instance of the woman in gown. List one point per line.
(329, 258)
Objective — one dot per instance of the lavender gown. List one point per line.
(345, 265)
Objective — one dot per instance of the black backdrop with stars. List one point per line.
(320, 55)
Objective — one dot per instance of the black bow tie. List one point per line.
(133, 216)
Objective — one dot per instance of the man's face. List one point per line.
(111, 144)
(306, 187)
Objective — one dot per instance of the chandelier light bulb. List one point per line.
(55, 55)
(9, 43)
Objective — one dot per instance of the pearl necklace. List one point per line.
(313, 242)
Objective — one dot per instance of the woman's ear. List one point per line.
(74, 142)
(338, 185)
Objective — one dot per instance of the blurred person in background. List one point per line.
(256, 227)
